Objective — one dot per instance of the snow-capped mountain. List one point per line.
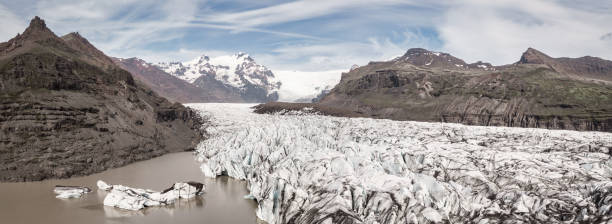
(239, 73)
(173, 88)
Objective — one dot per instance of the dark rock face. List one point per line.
(538, 91)
(67, 110)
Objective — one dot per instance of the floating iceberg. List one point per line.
(319, 169)
(135, 199)
(70, 191)
(103, 185)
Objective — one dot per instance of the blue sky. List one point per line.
(320, 35)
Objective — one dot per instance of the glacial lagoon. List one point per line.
(223, 201)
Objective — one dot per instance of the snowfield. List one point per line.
(305, 86)
(319, 169)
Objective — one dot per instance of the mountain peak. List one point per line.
(37, 29)
(244, 56)
(81, 44)
(414, 51)
(533, 56)
(75, 35)
(202, 59)
(35, 32)
(37, 23)
(427, 58)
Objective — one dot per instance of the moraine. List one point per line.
(310, 168)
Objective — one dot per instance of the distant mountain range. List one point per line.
(175, 89)
(231, 79)
(239, 74)
(537, 91)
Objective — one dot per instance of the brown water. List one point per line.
(223, 202)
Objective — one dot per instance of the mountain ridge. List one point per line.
(173, 88)
(78, 114)
(239, 73)
(538, 91)
(587, 67)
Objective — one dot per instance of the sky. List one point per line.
(324, 35)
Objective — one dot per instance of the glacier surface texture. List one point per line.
(319, 169)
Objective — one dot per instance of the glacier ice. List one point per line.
(135, 199)
(70, 191)
(319, 169)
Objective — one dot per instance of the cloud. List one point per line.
(334, 56)
(313, 35)
(499, 31)
(295, 11)
(10, 23)
(179, 55)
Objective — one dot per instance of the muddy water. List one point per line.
(223, 202)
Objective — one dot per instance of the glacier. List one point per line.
(300, 86)
(306, 168)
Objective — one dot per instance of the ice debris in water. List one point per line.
(70, 191)
(318, 169)
(103, 185)
(135, 199)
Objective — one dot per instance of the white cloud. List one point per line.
(334, 56)
(499, 31)
(10, 23)
(180, 55)
(296, 11)
(496, 31)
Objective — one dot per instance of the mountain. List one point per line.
(239, 74)
(537, 91)
(67, 109)
(584, 68)
(425, 58)
(173, 88)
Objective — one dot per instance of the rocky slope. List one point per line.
(176, 89)
(66, 109)
(238, 74)
(538, 91)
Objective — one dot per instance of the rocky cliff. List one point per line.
(66, 109)
(538, 91)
